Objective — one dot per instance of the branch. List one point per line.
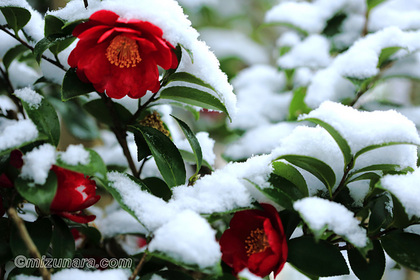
(120, 132)
(138, 267)
(142, 107)
(86, 3)
(56, 63)
(33, 250)
(343, 179)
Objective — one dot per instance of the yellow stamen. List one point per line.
(123, 52)
(256, 242)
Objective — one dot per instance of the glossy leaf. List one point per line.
(404, 248)
(143, 150)
(370, 268)
(377, 167)
(297, 105)
(13, 53)
(46, 119)
(365, 176)
(158, 188)
(73, 86)
(373, 3)
(386, 54)
(99, 110)
(195, 145)
(16, 17)
(40, 195)
(341, 142)
(40, 232)
(193, 96)
(291, 174)
(167, 157)
(381, 213)
(63, 245)
(290, 220)
(56, 43)
(190, 157)
(377, 146)
(189, 78)
(318, 259)
(314, 166)
(95, 167)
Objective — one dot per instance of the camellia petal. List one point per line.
(121, 57)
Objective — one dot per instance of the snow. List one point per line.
(37, 163)
(404, 14)
(224, 43)
(288, 39)
(108, 274)
(318, 213)
(6, 104)
(118, 222)
(21, 75)
(313, 52)
(206, 144)
(363, 129)
(29, 96)
(75, 154)
(188, 238)
(312, 17)
(167, 15)
(16, 133)
(259, 140)
(406, 189)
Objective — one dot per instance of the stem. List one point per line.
(86, 3)
(56, 63)
(142, 107)
(137, 175)
(138, 267)
(119, 132)
(343, 179)
(33, 250)
(365, 26)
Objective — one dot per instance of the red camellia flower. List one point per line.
(75, 192)
(119, 56)
(255, 240)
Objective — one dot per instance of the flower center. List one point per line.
(123, 52)
(256, 242)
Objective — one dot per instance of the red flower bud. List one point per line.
(75, 192)
(255, 240)
(120, 57)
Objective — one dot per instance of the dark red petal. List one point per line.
(16, 159)
(276, 226)
(105, 17)
(263, 263)
(89, 202)
(145, 46)
(248, 220)
(232, 247)
(93, 33)
(143, 26)
(77, 217)
(5, 181)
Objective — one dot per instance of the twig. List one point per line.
(365, 26)
(343, 179)
(137, 175)
(119, 132)
(138, 267)
(33, 250)
(142, 107)
(86, 3)
(56, 63)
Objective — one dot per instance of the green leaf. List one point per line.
(46, 119)
(99, 110)
(189, 78)
(372, 176)
(370, 268)
(91, 233)
(40, 195)
(40, 232)
(158, 188)
(377, 167)
(291, 174)
(190, 157)
(341, 142)
(95, 167)
(314, 166)
(373, 3)
(56, 43)
(195, 145)
(63, 245)
(404, 248)
(376, 146)
(193, 96)
(316, 258)
(385, 55)
(297, 105)
(143, 150)
(381, 215)
(290, 220)
(16, 17)
(73, 86)
(13, 53)
(53, 25)
(168, 158)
